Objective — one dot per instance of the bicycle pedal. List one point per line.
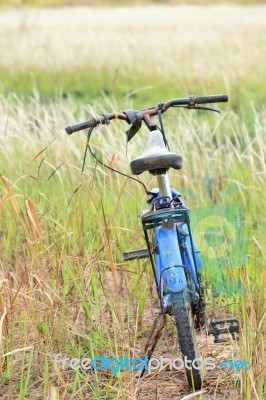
(135, 254)
(218, 328)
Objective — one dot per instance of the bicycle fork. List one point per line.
(169, 263)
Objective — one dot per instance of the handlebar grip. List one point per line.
(81, 125)
(215, 98)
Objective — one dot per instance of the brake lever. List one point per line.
(200, 108)
(207, 108)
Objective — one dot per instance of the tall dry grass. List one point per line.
(64, 287)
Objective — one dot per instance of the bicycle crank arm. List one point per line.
(135, 254)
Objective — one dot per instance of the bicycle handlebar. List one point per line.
(215, 98)
(191, 102)
(104, 119)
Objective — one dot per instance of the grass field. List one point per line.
(63, 285)
(170, 51)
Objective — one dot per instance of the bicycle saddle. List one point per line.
(155, 156)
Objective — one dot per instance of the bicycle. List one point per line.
(171, 247)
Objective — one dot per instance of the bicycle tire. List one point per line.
(187, 338)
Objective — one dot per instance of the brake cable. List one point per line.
(161, 125)
(88, 147)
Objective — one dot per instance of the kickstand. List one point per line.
(155, 334)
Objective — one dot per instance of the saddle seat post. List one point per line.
(164, 184)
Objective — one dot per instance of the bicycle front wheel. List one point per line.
(187, 339)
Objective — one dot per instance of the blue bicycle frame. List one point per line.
(176, 260)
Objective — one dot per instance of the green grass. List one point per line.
(66, 289)
(218, 53)
(84, 88)
(63, 285)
